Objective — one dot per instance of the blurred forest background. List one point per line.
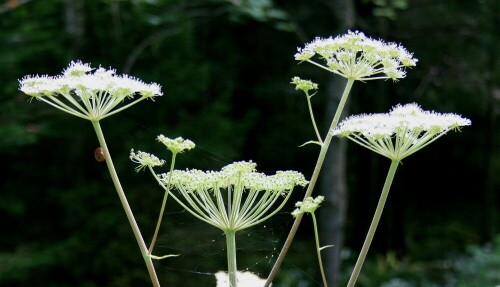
(225, 68)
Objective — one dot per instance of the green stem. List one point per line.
(312, 183)
(312, 117)
(318, 251)
(374, 224)
(231, 257)
(126, 206)
(164, 203)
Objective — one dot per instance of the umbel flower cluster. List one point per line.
(88, 94)
(355, 56)
(304, 85)
(401, 132)
(144, 159)
(176, 145)
(309, 205)
(248, 198)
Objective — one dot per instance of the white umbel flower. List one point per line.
(355, 56)
(86, 94)
(401, 132)
(234, 198)
(244, 279)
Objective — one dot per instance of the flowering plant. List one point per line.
(94, 96)
(402, 132)
(238, 197)
(233, 199)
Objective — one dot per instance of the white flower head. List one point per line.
(77, 69)
(355, 56)
(244, 279)
(236, 197)
(401, 132)
(86, 94)
(145, 160)
(176, 145)
(309, 205)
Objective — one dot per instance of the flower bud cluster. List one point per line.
(304, 85)
(410, 127)
(176, 145)
(309, 205)
(355, 56)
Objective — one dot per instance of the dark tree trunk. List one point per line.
(333, 178)
(74, 17)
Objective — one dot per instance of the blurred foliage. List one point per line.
(225, 67)
(478, 266)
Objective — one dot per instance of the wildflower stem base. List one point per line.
(231, 257)
(374, 224)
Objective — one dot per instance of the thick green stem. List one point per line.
(126, 206)
(231, 257)
(312, 183)
(318, 249)
(164, 203)
(374, 224)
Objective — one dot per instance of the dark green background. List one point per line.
(225, 69)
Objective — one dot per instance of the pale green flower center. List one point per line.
(309, 205)
(176, 145)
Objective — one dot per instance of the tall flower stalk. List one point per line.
(233, 199)
(309, 205)
(354, 57)
(395, 135)
(95, 95)
(250, 199)
(143, 159)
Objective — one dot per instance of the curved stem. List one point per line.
(312, 117)
(126, 206)
(231, 257)
(164, 203)
(318, 250)
(312, 183)
(374, 224)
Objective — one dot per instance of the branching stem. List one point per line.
(312, 183)
(312, 117)
(164, 203)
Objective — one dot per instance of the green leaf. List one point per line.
(163, 257)
(326, 246)
(311, 142)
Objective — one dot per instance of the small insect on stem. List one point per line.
(99, 155)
